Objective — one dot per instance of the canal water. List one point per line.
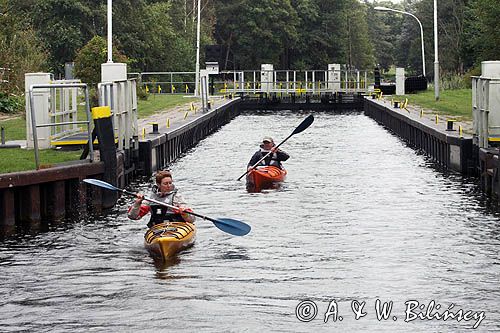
(361, 222)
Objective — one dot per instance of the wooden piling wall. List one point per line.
(30, 197)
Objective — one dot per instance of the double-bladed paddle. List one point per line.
(302, 126)
(231, 226)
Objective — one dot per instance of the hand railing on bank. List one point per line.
(121, 97)
(35, 126)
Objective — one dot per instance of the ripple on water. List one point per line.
(360, 217)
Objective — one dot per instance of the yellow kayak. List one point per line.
(166, 239)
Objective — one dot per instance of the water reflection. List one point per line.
(359, 217)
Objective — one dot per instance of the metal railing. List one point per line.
(121, 97)
(292, 81)
(63, 108)
(35, 126)
(259, 81)
(166, 82)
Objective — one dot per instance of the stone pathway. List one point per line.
(176, 116)
(429, 116)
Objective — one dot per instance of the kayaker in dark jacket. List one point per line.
(166, 192)
(275, 158)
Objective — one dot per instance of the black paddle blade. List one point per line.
(304, 124)
(232, 226)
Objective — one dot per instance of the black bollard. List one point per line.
(155, 128)
(3, 145)
(449, 125)
(107, 150)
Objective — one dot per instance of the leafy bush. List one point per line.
(474, 71)
(90, 57)
(20, 51)
(10, 104)
(142, 94)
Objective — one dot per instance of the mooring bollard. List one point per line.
(449, 125)
(155, 128)
(2, 142)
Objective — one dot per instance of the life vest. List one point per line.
(272, 159)
(160, 214)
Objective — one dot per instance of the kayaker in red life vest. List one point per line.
(275, 158)
(164, 191)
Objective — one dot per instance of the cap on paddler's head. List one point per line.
(267, 139)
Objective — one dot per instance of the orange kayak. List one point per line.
(265, 177)
(166, 239)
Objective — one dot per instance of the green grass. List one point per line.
(12, 160)
(456, 102)
(15, 129)
(156, 103)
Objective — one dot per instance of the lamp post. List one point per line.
(197, 76)
(436, 61)
(110, 31)
(386, 9)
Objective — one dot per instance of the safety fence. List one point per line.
(258, 81)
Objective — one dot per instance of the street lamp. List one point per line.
(385, 9)
(436, 61)
(110, 31)
(197, 76)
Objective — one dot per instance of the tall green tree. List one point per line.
(90, 57)
(257, 31)
(482, 33)
(384, 29)
(20, 49)
(65, 26)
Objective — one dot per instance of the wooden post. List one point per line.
(7, 210)
(76, 197)
(29, 210)
(56, 200)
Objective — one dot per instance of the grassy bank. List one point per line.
(15, 128)
(156, 103)
(456, 103)
(12, 160)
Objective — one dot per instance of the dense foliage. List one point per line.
(160, 35)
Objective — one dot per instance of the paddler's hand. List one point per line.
(181, 210)
(139, 198)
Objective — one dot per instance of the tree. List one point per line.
(257, 31)
(481, 33)
(20, 49)
(65, 26)
(384, 29)
(89, 59)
